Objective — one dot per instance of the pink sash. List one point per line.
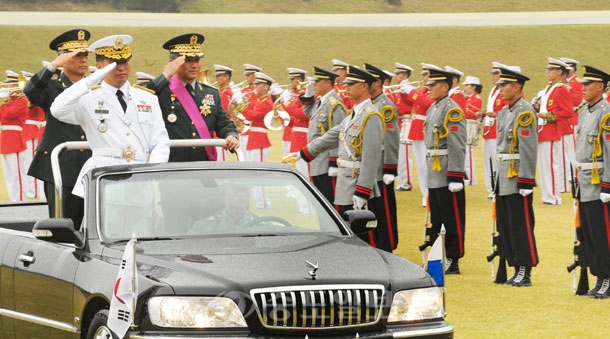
(188, 102)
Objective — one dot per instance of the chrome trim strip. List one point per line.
(423, 332)
(39, 320)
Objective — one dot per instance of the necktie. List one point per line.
(119, 95)
(190, 89)
(318, 104)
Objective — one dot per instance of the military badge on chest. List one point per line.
(206, 105)
(172, 117)
(101, 113)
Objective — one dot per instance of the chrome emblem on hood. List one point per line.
(314, 268)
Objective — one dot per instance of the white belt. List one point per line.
(127, 154)
(348, 164)
(257, 129)
(435, 152)
(472, 121)
(11, 128)
(503, 157)
(589, 165)
(299, 129)
(419, 117)
(36, 123)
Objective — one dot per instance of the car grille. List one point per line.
(322, 306)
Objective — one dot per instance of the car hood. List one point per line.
(228, 264)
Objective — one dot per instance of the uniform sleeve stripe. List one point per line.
(455, 174)
(363, 191)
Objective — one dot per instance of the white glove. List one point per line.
(456, 186)
(604, 197)
(405, 87)
(388, 178)
(98, 75)
(296, 156)
(333, 171)
(238, 97)
(275, 89)
(310, 89)
(525, 192)
(359, 203)
(285, 96)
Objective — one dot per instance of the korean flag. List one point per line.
(125, 292)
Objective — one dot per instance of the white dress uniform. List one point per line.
(116, 138)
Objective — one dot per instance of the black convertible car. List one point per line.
(210, 263)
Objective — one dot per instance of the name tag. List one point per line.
(101, 111)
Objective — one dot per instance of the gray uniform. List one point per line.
(391, 139)
(359, 139)
(319, 114)
(587, 132)
(510, 124)
(451, 148)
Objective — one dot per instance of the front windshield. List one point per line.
(208, 202)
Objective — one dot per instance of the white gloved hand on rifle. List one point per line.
(99, 75)
(388, 178)
(333, 171)
(359, 203)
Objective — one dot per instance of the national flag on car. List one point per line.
(435, 265)
(124, 293)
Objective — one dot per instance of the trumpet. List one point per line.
(299, 85)
(414, 84)
(276, 119)
(239, 85)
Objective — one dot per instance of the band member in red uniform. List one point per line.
(405, 107)
(297, 79)
(472, 88)
(259, 146)
(455, 93)
(248, 94)
(421, 101)
(554, 110)
(32, 132)
(223, 80)
(569, 140)
(386, 83)
(12, 118)
(340, 68)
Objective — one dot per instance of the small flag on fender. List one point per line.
(436, 263)
(124, 293)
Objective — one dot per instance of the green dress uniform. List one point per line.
(42, 90)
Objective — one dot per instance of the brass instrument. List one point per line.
(241, 123)
(276, 119)
(414, 84)
(204, 76)
(14, 90)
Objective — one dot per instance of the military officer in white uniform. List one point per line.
(123, 123)
(445, 140)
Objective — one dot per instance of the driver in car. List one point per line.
(233, 215)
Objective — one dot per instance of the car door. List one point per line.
(43, 285)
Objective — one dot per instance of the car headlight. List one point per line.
(416, 305)
(194, 312)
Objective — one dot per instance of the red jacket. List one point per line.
(459, 98)
(575, 90)
(300, 123)
(489, 132)
(12, 119)
(255, 112)
(420, 99)
(473, 106)
(560, 104)
(226, 93)
(34, 123)
(341, 89)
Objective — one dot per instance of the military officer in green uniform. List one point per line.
(517, 148)
(72, 55)
(592, 149)
(445, 140)
(191, 109)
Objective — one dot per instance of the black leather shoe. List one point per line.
(511, 279)
(452, 266)
(592, 292)
(523, 278)
(604, 290)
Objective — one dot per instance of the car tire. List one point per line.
(98, 329)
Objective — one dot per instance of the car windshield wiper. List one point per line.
(262, 235)
(121, 241)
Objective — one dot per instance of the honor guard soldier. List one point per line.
(421, 101)
(385, 236)
(359, 139)
(592, 156)
(516, 151)
(445, 138)
(554, 111)
(72, 50)
(123, 123)
(405, 108)
(12, 119)
(495, 103)
(340, 68)
(191, 109)
(472, 88)
(325, 110)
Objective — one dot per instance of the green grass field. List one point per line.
(476, 307)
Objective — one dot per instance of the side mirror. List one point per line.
(360, 221)
(58, 230)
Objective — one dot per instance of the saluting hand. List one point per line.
(62, 59)
(172, 67)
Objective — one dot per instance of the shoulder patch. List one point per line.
(144, 88)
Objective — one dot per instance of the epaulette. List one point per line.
(94, 87)
(333, 100)
(203, 84)
(143, 88)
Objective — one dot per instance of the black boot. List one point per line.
(511, 279)
(523, 278)
(604, 290)
(452, 266)
(598, 285)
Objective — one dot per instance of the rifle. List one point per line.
(579, 252)
(427, 235)
(500, 276)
